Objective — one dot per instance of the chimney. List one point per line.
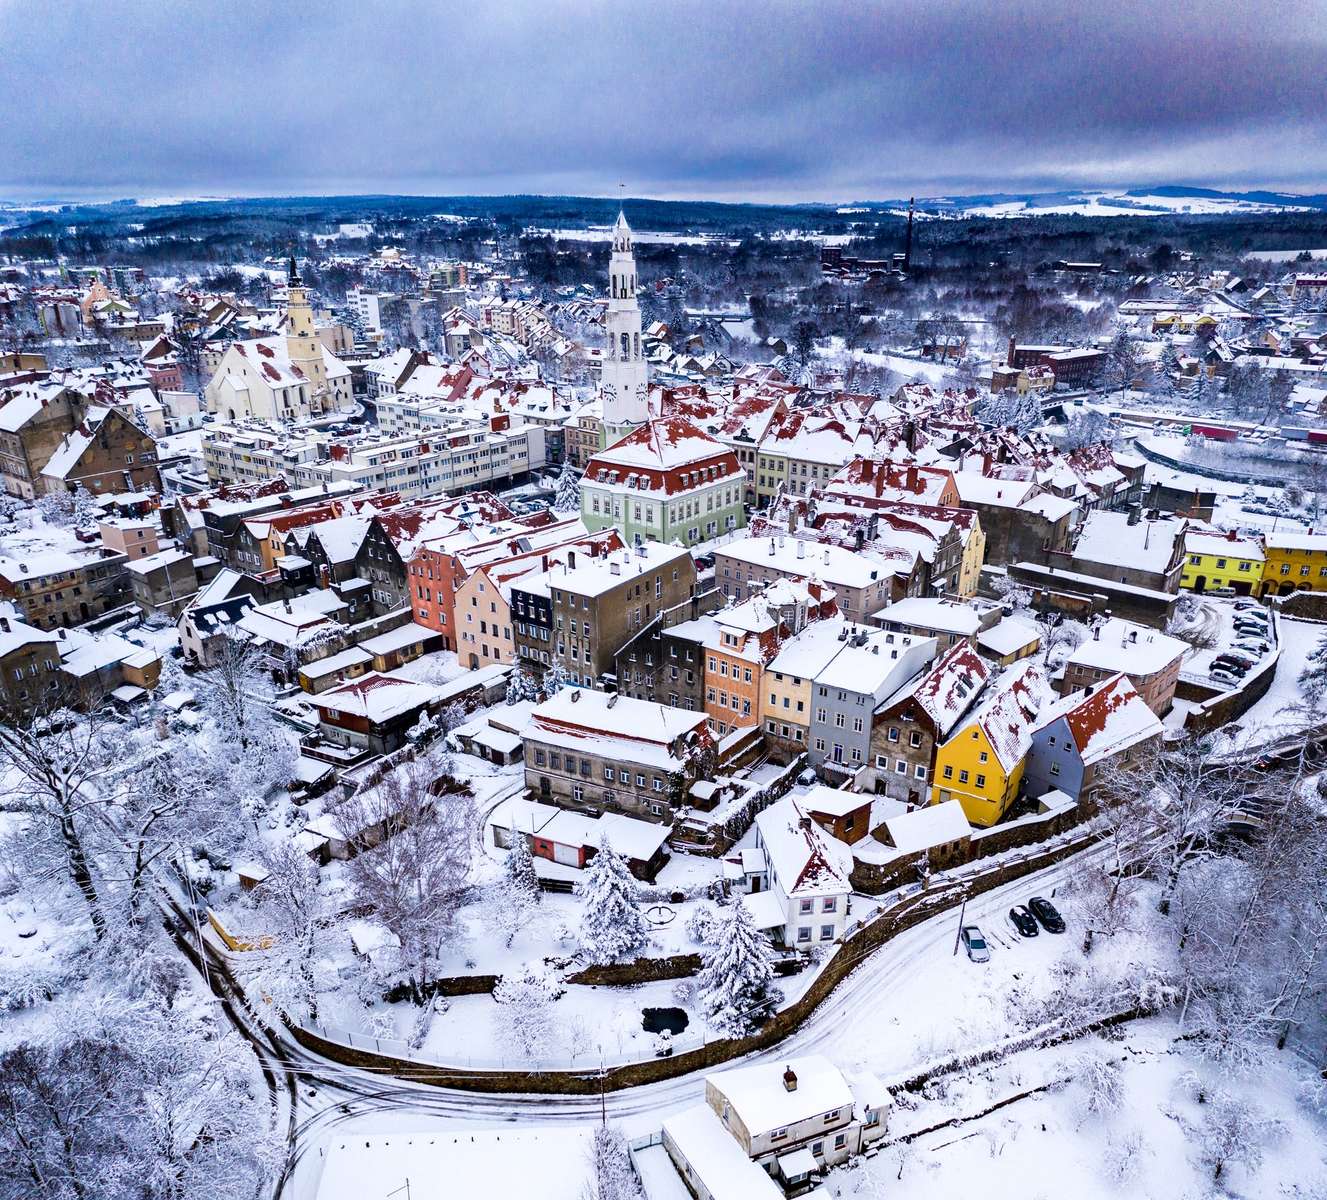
(789, 1075)
(771, 547)
(288, 608)
(1096, 633)
(1133, 635)
(912, 478)
(801, 548)
(575, 695)
(612, 700)
(1011, 351)
(868, 469)
(4, 624)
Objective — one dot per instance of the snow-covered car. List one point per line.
(1254, 646)
(975, 944)
(1221, 675)
(1250, 622)
(1047, 914)
(1023, 921)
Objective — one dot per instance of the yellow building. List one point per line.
(981, 763)
(1222, 560)
(1294, 561)
(974, 554)
(785, 692)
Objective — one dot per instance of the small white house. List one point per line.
(806, 871)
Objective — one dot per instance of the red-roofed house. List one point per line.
(666, 481)
(1077, 735)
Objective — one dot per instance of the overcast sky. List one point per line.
(777, 100)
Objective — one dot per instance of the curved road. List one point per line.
(343, 1097)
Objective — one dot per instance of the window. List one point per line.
(1055, 768)
(609, 774)
(983, 756)
(900, 767)
(840, 1140)
(805, 906)
(804, 933)
(829, 904)
(962, 777)
(920, 773)
(981, 781)
(914, 738)
(949, 773)
(827, 933)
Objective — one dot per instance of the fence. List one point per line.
(592, 1071)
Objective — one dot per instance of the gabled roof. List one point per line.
(1104, 721)
(804, 858)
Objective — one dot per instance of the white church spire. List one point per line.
(624, 381)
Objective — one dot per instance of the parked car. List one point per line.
(1024, 921)
(1245, 603)
(975, 944)
(1250, 621)
(1253, 645)
(1047, 914)
(1221, 675)
(1241, 662)
(704, 562)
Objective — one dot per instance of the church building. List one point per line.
(290, 378)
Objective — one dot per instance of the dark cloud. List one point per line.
(785, 99)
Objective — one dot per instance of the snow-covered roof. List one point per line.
(378, 697)
(1222, 545)
(629, 836)
(714, 1156)
(828, 801)
(948, 688)
(1119, 645)
(1006, 718)
(614, 725)
(930, 825)
(805, 859)
(14, 635)
(797, 556)
(593, 576)
(933, 612)
(1104, 721)
(409, 634)
(1009, 636)
(1296, 540)
(552, 1163)
(758, 1096)
(1109, 537)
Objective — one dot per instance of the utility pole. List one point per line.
(962, 909)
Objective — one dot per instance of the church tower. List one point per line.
(624, 382)
(302, 344)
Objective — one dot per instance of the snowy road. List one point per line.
(344, 1100)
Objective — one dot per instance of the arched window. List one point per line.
(626, 347)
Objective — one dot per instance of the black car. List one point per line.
(1024, 921)
(1047, 914)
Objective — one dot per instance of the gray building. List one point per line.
(871, 667)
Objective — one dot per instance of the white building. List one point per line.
(624, 378)
(804, 885)
(367, 307)
(290, 378)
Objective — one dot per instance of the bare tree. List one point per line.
(411, 866)
(58, 764)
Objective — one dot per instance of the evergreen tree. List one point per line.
(1313, 677)
(521, 687)
(567, 499)
(555, 678)
(519, 867)
(612, 927)
(85, 508)
(737, 972)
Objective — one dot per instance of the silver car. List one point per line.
(975, 944)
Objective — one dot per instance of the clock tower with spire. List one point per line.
(624, 380)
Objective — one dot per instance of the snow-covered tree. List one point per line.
(1088, 429)
(518, 867)
(521, 686)
(290, 921)
(555, 678)
(1313, 675)
(737, 972)
(612, 927)
(567, 499)
(85, 510)
(524, 1016)
(10, 508)
(1233, 1131)
(612, 1177)
(412, 864)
